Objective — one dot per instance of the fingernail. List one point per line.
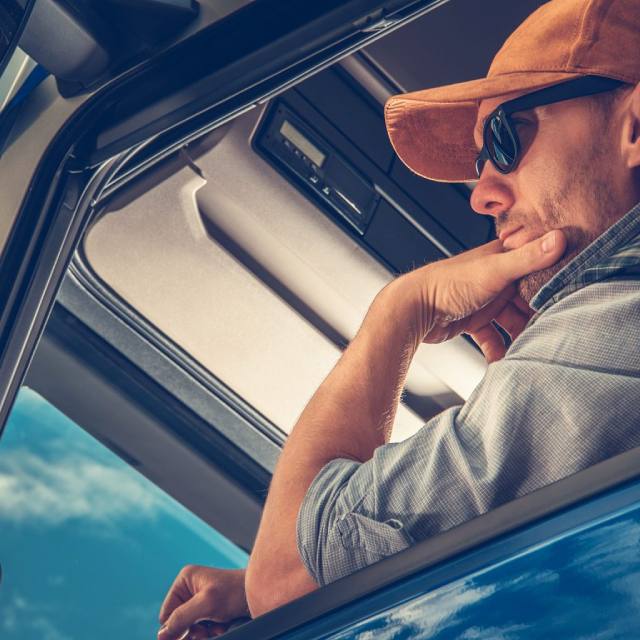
(549, 242)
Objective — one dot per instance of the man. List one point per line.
(554, 142)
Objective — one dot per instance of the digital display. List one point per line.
(295, 137)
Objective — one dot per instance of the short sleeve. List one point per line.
(336, 532)
(561, 400)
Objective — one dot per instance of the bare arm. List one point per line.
(352, 411)
(350, 415)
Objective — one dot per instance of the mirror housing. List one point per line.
(71, 46)
(13, 17)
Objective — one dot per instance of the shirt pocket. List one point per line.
(370, 540)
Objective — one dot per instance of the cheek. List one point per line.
(536, 187)
(551, 180)
(543, 172)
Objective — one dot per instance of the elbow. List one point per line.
(263, 593)
(253, 591)
(268, 588)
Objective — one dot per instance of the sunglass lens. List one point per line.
(480, 160)
(500, 143)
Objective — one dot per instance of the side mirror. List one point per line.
(67, 42)
(78, 41)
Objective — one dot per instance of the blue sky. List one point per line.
(88, 546)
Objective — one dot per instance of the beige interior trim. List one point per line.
(172, 253)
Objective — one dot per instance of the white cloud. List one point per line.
(609, 550)
(52, 472)
(530, 579)
(45, 629)
(628, 586)
(426, 615)
(606, 634)
(23, 618)
(511, 632)
(140, 614)
(368, 635)
(74, 486)
(9, 615)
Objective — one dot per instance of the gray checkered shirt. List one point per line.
(565, 396)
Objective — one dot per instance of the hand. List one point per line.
(465, 293)
(203, 593)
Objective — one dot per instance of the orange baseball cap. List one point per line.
(432, 130)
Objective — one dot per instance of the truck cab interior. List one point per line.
(251, 254)
(218, 282)
(258, 246)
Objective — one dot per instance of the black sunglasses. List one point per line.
(500, 142)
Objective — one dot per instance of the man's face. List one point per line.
(570, 177)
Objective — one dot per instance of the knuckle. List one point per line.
(211, 592)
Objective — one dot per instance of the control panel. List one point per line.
(300, 151)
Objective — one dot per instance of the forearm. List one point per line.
(350, 415)
(352, 412)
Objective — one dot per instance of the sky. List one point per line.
(88, 546)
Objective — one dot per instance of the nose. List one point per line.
(492, 194)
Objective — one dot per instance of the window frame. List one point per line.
(575, 501)
(190, 420)
(179, 89)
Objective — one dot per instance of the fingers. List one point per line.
(206, 629)
(488, 338)
(202, 599)
(490, 341)
(489, 312)
(523, 306)
(181, 619)
(512, 320)
(178, 594)
(533, 256)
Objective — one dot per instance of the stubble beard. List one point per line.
(585, 188)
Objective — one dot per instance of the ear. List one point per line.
(631, 128)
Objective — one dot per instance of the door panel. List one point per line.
(561, 562)
(582, 584)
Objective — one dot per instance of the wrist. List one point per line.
(405, 303)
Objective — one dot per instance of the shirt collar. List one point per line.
(615, 252)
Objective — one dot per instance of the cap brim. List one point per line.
(432, 130)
